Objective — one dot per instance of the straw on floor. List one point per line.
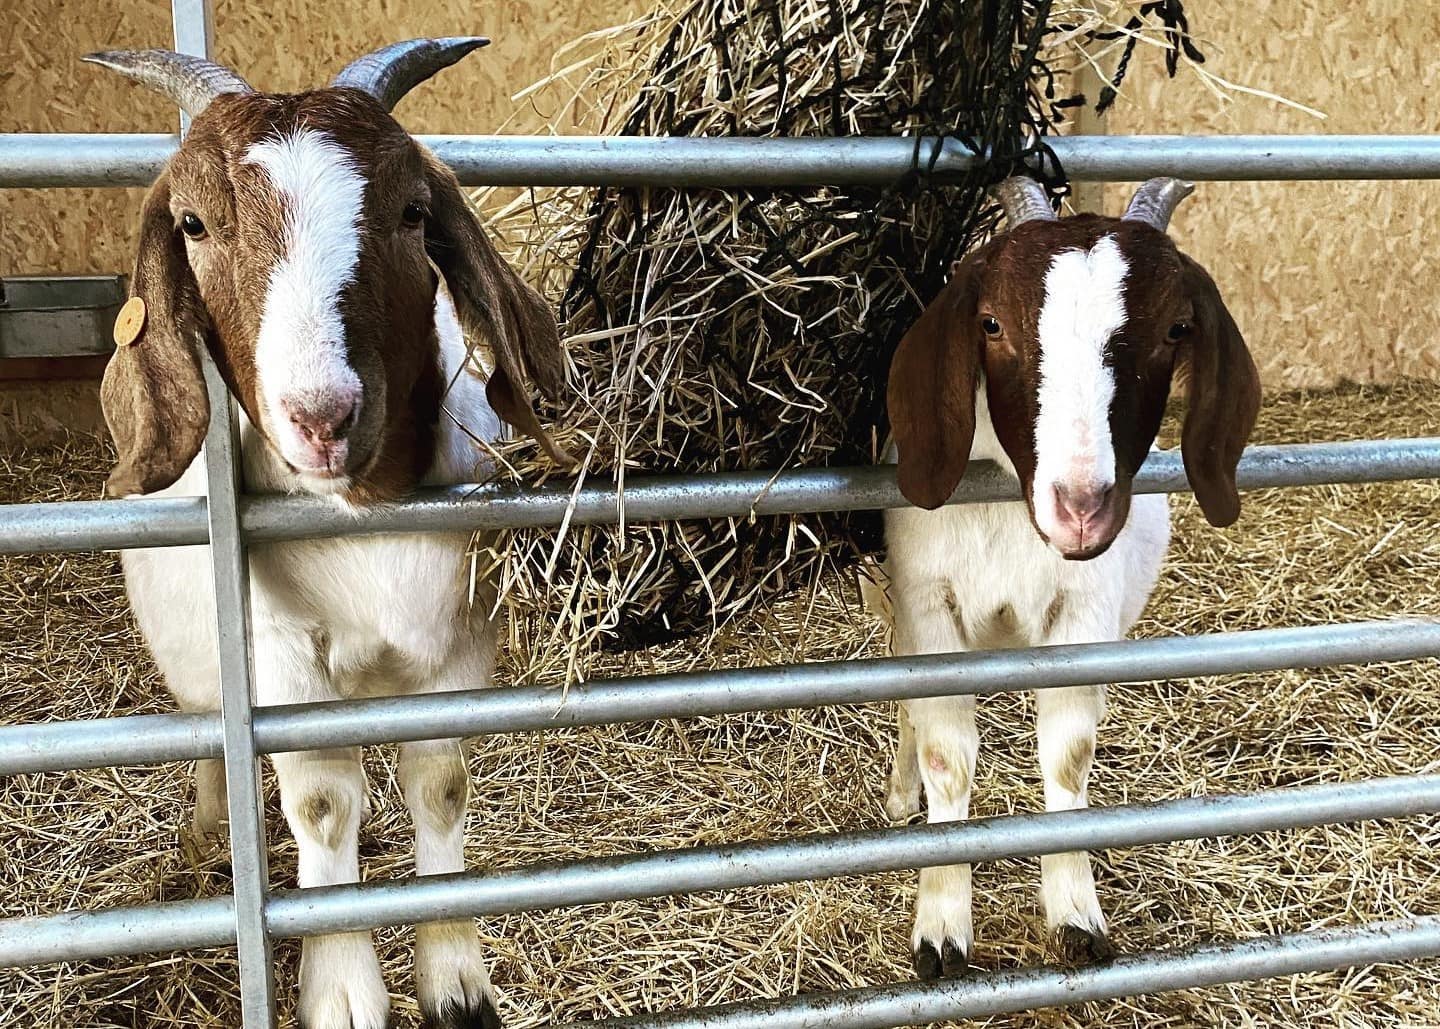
(107, 838)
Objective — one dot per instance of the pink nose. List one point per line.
(321, 422)
(1080, 504)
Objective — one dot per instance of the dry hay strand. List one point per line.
(1304, 556)
(719, 330)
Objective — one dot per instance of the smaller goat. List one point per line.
(301, 239)
(1050, 352)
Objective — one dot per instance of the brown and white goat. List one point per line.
(297, 237)
(1050, 352)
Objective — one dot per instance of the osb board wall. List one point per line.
(278, 46)
(1329, 280)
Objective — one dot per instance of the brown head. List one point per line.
(1075, 328)
(296, 235)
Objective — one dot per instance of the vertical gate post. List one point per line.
(194, 31)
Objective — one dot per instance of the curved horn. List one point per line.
(1155, 201)
(392, 71)
(192, 82)
(1024, 200)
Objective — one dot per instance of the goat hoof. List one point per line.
(1076, 945)
(205, 851)
(949, 961)
(902, 807)
(454, 1016)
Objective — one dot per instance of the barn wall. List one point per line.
(45, 89)
(1332, 281)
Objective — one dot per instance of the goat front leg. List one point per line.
(1066, 722)
(323, 795)
(942, 746)
(451, 981)
(946, 744)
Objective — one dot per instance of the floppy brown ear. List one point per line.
(153, 393)
(1224, 399)
(496, 303)
(931, 394)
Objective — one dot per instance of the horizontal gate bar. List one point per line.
(665, 873)
(111, 159)
(108, 742)
(773, 687)
(884, 1007)
(156, 738)
(158, 522)
(671, 873)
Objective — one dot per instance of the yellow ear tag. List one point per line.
(130, 322)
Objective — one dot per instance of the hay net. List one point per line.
(746, 329)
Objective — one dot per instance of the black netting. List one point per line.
(762, 321)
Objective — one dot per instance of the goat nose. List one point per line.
(323, 422)
(1082, 503)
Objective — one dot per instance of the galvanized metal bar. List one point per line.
(113, 524)
(882, 1007)
(109, 742)
(727, 691)
(73, 526)
(47, 160)
(32, 748)
(231, 569)
(607, 880)
(86, 935)
(95, 159)
(194, 23)
(670, 873)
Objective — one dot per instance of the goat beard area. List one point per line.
(721, 330)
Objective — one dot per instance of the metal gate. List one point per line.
(254, 915)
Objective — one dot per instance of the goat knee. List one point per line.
(323, 796)
(1065, 729)
(436, 790)
(436, 784)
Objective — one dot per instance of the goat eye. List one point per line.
(192, 226)
(413, 215)
(990, 325)
(1177, 332)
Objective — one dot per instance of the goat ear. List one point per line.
(931, 394)
(153, 392)
(496, 303)
(1223, 401)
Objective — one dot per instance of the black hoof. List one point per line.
(949, 962)
(453, 1016)
(1077, 946)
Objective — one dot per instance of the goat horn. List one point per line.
(1155, 201)
(192, 82)
(1024, 200)
(392, 71)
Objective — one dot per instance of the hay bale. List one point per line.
(719, 330)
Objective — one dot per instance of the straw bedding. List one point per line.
(107, 838)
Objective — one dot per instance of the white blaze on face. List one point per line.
(300, 355)
(1083, 307)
